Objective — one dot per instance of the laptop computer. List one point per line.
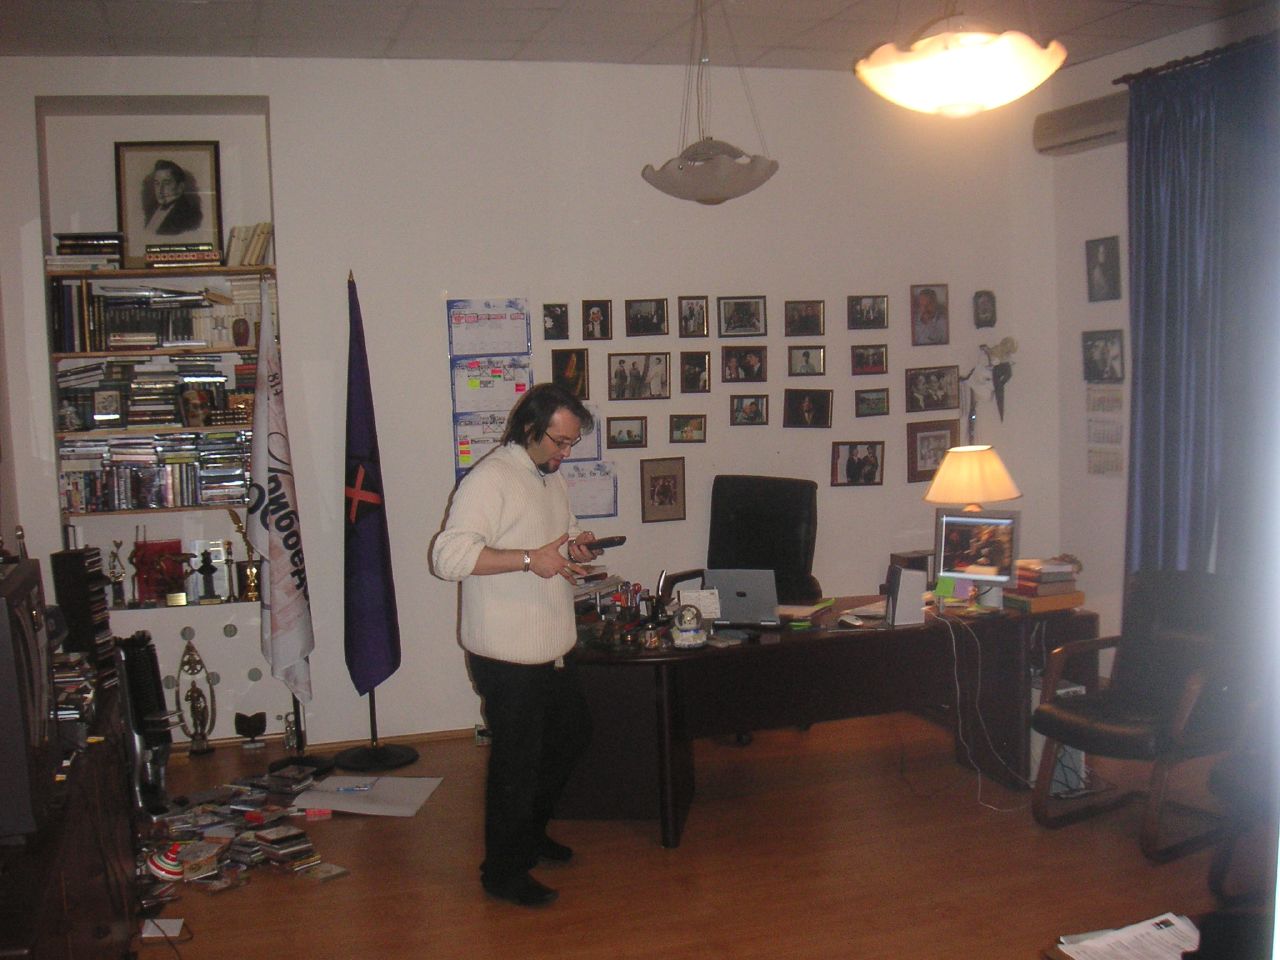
(748, 598)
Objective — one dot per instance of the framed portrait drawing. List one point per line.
(623, 432)
(984, 309)
(871, 403)
(646, 318)
(569, 369)
(806, 408)
(744, 364)
(639, 376)
(804, 318)
(742, 317)
(748, 409)
(662, 491)
(688, 428)
(930, 325)
(597, 319)
(695, 371)
(693, 316)
(927, 443)
(555, 321)
(809, 360)
(1103, 356)
(1102, 268)
(933, 388)
(857, 463)
(168, 192)
(868, 311)
(870, 358)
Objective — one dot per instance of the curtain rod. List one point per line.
(1195, 59)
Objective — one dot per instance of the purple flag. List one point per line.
(372, 635)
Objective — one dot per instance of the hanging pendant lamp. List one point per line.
(958, 67)
(708, 170)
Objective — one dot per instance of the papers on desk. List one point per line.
(1161, 938)
(803, 611)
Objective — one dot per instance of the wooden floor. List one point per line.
(859, 838)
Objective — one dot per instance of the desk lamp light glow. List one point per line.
(975, 544)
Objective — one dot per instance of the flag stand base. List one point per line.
(384, 756)
(376, 756)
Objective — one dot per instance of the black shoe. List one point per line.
(548, 849)
(520, 889)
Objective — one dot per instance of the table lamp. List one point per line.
(972, 475)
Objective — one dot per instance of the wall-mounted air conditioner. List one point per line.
(1094, 123)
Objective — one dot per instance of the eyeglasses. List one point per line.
(564, 444)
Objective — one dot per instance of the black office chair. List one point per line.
(1177, 691)
(766, 523)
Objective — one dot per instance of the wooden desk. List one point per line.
(649, 706)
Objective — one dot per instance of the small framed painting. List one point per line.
(868, 312)
(569, 369)
(927, 443)
(742, 317)
(688, 428)
(597, 319)
(639, 376)
(662, 491)
(693, 316)
(744, 363)
(695, 371)
(871, 403)
(804, 318)
(933, 388)
(857, 463)
(627, 432)
(806, 408)
(646, 318)
(869, 359)
(168, 194)
(749, 409)
(555, 321)
(929, 323)
(809, 360)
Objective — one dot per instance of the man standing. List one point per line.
(509, 519)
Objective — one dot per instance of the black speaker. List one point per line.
(29, 749)
(150, 740)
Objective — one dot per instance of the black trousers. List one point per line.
(539, 726)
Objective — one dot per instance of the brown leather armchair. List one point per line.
(1178, 690)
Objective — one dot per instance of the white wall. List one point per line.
(433, 180)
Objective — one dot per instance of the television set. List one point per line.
(29, 748)
(977, 549)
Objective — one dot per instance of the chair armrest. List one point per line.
(1192, 687)
(1059, 657)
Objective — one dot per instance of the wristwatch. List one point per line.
(527, 560)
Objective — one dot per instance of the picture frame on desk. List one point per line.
(168, 192)
(662, 489)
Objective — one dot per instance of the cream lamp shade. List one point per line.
(972, 475)
(958, 68)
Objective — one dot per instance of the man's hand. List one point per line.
(580, 547)
(548, 562)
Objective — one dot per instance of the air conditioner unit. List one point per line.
(1094, 123)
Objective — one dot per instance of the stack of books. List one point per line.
(287, 847)
(248, 244)
(1042, 586)
(86, 251)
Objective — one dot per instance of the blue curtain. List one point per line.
(1204, 223)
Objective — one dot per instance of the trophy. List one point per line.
(248, 569)
(115, 573)
(201, 706)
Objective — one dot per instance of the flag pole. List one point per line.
(319, 764)
(376, 756)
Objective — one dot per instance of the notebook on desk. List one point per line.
(748, 598)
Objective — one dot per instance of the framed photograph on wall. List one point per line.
(927, 443)
(984, 309)
(930, 325)
(695, 371)
(693, 316)
(806, 408)
(742, 317)
(597, 319)
(662, 492)
(168, 192)
(748, 409)
(688, 428)
(809, 360)
(933, 388)
(1103, 356)
(555, 321)
(623, 432)
(871, 403)
(646, 318)
(857, 463)
(868, 312)
(739, 364)
(569, 369)
(804, 318)
(1102, 268)
(869, 358)
(639, 376)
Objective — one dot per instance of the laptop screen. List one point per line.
(747, 597)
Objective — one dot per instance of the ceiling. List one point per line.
(798, 34)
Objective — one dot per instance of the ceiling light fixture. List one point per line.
(709, 171)
(958, 67)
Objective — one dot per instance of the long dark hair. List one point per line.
(533, 412)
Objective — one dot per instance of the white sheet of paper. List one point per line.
(381, 796)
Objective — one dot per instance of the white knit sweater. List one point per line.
(506, 503)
